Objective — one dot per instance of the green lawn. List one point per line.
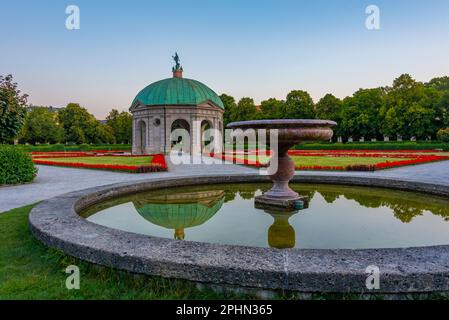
(330, 161)
(113, 160)
(29, 270)
(339, 161)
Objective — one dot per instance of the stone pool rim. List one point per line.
(56, 223)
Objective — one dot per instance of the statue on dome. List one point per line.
(177, 61)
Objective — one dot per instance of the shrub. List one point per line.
(74, 147)
(16, 166)
(380, 145)
(443, 134)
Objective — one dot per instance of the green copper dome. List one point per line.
(177, 91)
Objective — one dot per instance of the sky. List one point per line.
(245, 48)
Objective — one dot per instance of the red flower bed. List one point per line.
(159, 160)
(361, 150)
(157, 164)
(359, 153)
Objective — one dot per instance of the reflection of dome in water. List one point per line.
(180, 211)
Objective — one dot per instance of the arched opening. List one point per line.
(141, 137)
(206, 136)
(181, 138)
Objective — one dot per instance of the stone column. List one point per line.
(195, 134)
(134, 137)
(167, 133)
(147, 136)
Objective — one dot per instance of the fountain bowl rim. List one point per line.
(56, 223)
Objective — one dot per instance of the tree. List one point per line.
(411, 109)
(329, 108)
(41, 126)
(360, 114)
(299, 105)
(82, 127)
(246, 110)
(103, 134)
(443, 106)
(12, 109)
(440, 84)
(121, 125)
(272, 109)
(230, 108)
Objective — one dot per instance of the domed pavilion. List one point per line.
(175, 103)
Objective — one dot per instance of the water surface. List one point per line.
(337, 217)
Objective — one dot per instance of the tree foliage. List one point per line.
(408, 108)
(82, 127)
(330, 108)
(230, 108)
(245, 110)
(12, 109)
(360, 114)
(121, 125)
(272, 109)
(299, 105)
(41, 126)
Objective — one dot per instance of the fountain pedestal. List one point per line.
(289, 133)
(280, 195)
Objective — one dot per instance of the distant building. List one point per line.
(170, 104)
(50, 108)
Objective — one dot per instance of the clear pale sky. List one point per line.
(256, 48)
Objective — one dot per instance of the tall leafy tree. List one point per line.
(440, 83)
(82, 127)
(12, 109)
(272, 109)
(41, 126)
(360, 115)
(411, 108)
(443, 106)
(246, 110)
(299, 105)
(103, 134)
(121, 125)
(230, 108)
(330, 108)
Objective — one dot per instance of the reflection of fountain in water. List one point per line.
(180, 211)
(281, 235)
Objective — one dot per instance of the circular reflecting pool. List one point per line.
(336, 217)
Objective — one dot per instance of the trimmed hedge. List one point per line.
(16, 166)
(405, 145)
(74, 147)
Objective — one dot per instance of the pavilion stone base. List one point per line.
(284, 204)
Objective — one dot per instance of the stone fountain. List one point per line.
(290, 132)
